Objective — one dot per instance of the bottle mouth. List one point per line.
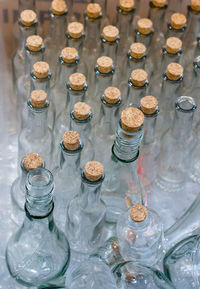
(185, 104)
(39, 178)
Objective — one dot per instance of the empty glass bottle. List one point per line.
(86, 212)
(38, 253)
(75, 36)
(144, 32)
(177, 26)
(29, 162)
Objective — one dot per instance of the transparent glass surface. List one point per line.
(75, 42)
(144, 38)
(135, 93)
(171, 32)
(131, 64)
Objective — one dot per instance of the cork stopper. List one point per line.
(71, 140)
(138, 213)
(148, 104)
(69, 54)
(41, 69)
(58, 7)
(104, 64)
(81, 110)
(137, 50)
(144, 26)
(126, 5)
(178, 20)
(139, 77)
(159, 3)
(93, 171)
(195, 5)
(132, 119)
(75, 29)
(110, 33)
(112, 94)
(93, 10)
(38, 98)
(32, 161)
(173, 45)
(174, 71)
(28, 17)
(34, 42)
(77, 81)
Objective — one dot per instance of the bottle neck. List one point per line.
(149, 127)
(138, 225)
(167, 58)
(92, 31)
(170, 89)
(109, 48)
(26, 4)
(83, 127)
(41, 83)
(33, 57)
(103, 80)
(124, 21)
(193, 31)
(157, 16)
(26, 31)
(74, 96)
(65, 70)
(70, 160)
(57, 28)
(143, 38)
(75, 42)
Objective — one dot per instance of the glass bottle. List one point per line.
(144, 32)
(75, 36)
(109, 41)
(149, 150)
(36, 136)
(171, 52)
(140, 235)
(87, 211)
(29, 162)
(122, 182)
(38, 253)
(28, 26)
(67, 178)
(177, 26)
(195, 160)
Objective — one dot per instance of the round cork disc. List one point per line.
(69, 54)
(112, 94)
(34, 42)
(32, 161)
(144, 26)
(137, 50)
(75, 29)
(58, 7)
(195, 5)
(110, 33)
(159, 3)
(178, 20)
(93, 171)
(132, 119)
(93, 10)
(173, 45)
(139, 77)
(148, 104)
(81, 110)
(126, 5)
(104, 64)
(41, 69)
(77, 81)
(138, 213)
(71, 140)
(28, 17)
(38, 98)
(174, 71)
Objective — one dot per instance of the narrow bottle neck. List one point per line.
(65, 70)
(83, 127)
(57, 27)
(193, 24)
(70, 160)
(170, 88)
(103, 80)
(124, 20)
(92, 31)
(23, 176)
(109, 48)
(157, 15)
(168, 58)
(149, 127)
(145, 39)
(74, 96)
(26, 31)
(26, 4)
(41, 83)
(139, 225)
(33, 57)
(75, 42)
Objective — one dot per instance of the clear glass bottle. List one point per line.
(87, 211)
(144, 32)
(38, 253)
(122, 182)
(36, 136)
(75, 36)
(177, 26)
(29, 162)
(109, 41)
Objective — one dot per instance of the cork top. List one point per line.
(32, 161)
(81, 110)
(112, 94)
(173, 45)
(69, 54)
(77, 81)
(139, 77)
(174, 71)
(104, 64)
(126, 5)
(110, 33)
(132, 119)
(71, 140)
(93, 10)
(159, 3)
(148, 104)
(137, 50)
(28, 17)
(58, 7)
(93, 171)
(144, 26)
(178, 20)
(195, 5)
(34, 42)
(75, 29)
(138, 213)
(41, 69)
(38, 98)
